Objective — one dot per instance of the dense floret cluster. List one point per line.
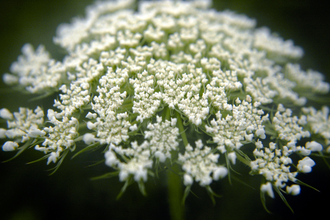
(173, 83)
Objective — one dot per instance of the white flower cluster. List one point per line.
(161, 139)
(288, 127)
(276, 48)
(199, 164)
(78, 94)
(274, 164)
(59, 137)
(147, 100)
(110, 127)
(241, 124)
(22, 126)
(319, 123)
(62, 135)
(133, 81)
(310, 81)
(35, 71)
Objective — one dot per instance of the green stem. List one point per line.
(181, 129)
(175, 191)
(166, 114)
(243, 160)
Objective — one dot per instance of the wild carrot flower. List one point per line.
(173, 84)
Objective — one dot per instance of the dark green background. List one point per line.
(27, 192)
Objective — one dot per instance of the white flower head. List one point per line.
(172, 83)
(200, 163)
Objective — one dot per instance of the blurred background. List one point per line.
(28, 192)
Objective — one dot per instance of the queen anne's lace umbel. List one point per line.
(139, 82)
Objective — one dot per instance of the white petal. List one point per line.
(232, 157)
(314, 146)
(187, 180)
(220, 172)
(267, 188)
(6, 114)
(88, 138)
(293, 190)
(9, 146)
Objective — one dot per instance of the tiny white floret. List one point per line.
(314, 146)
(261, 133)
(161, 156)
(293, 190)
(267, 188)
(91, 115)
(232, 157)
(305, 165)
(9, 146)
(219, 173)
(6, 114)
(89, 138)
(133, 127)
(187, 180)
(52, 157)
